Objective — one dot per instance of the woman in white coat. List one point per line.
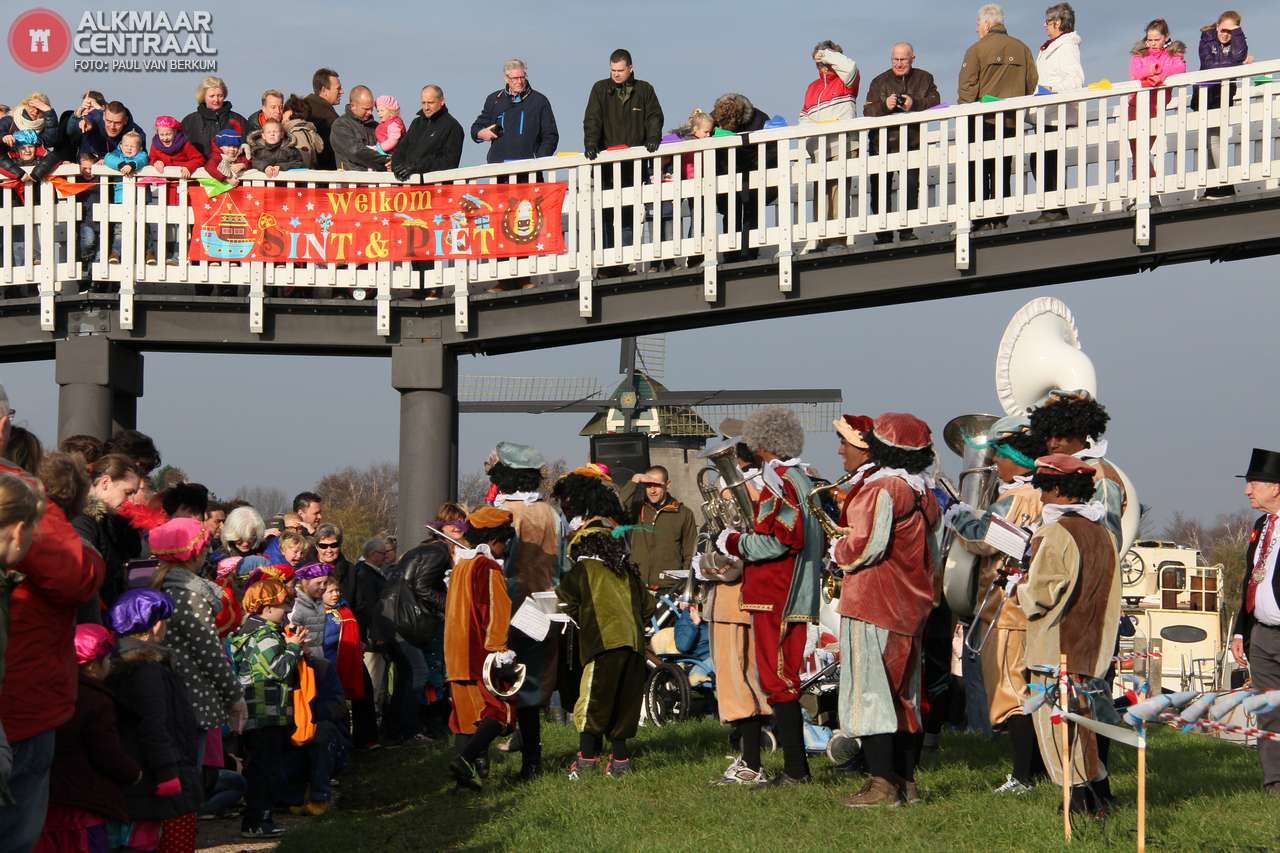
(1059, 68)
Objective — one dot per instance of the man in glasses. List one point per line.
(516, 120)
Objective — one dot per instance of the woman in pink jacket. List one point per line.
(1154, 59)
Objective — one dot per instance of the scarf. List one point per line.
(1093, 511)
(24, 123)
(179, 140)
(919, 483)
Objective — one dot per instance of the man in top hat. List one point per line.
(1071, 597)
(1003, 655)
(1073, 422)
(1257, 626)
(890, 554)
(782, 576)
(515, 470)
(477, 621)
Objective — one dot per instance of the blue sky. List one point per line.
(1185, 355)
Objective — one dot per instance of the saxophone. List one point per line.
(831, 582)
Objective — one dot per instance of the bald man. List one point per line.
(902, 89)
(434, 140)
(353, 135)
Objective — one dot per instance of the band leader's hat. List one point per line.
(903, 431)
(1061, 463)
(853, 429)
(1264, 466)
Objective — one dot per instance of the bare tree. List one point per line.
(551, 473)
(472, 488)
(268, 500)
(363, 501)
(1185, 531)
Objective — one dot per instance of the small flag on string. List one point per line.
(215, 187)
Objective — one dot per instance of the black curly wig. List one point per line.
(1069, 417)
(511, 480)
(601, 545)
(586, 497)
(485, 535)
(911, 461)
(1029, 444)
(745, 454)
(1078, 487)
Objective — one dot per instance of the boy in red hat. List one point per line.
(890, 554)
(1071, 597)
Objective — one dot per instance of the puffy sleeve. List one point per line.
(499, 617)
(871, 520)
(779, 528)
(1055, 564)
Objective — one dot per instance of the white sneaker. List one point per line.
(740, 774)
(1012, 786)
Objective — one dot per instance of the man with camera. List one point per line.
(901, 89)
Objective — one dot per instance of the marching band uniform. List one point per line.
(477, 619)
(1258, 619)
(782, 575)
(1003, 657)
(739, 696)
(533, 566)
(890, 555)
(1071, 597)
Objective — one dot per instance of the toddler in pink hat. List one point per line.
(390, 125)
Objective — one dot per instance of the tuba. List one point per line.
(966, 436)
(719, 513)
(1040, 351)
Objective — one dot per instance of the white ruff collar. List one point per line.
(1095, 450)
(773, 478)
(919, 483)
(518, 497)
(1018, 481)
(1093, 511)
(576, 523)
(460, 554)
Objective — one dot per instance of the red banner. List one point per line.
(375, 224)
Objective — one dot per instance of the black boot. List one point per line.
(788, 725)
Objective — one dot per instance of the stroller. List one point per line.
(677, 682)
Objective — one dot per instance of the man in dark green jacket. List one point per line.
(621, 111)
(674, 535)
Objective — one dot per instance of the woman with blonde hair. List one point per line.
(35, 114)
(213, 113)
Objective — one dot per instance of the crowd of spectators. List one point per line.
(173, 658)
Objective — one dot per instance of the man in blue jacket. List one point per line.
(100, 131)
(516, 121)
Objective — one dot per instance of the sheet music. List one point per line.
(531, 621)
(1006, 538)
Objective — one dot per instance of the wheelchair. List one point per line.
(678, 686)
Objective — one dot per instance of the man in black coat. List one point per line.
(434, 140)
(100, 130)
(516, 121)
(354, 134)
(1258, 621)
(326, 93)
(621, 111)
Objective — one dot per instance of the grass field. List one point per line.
(1203, 795)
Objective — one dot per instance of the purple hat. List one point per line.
(312, 570)
(138, 610)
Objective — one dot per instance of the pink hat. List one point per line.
(386, 102)
(227, 566)
(168, 121)
(177, 540)
(93, 642)
(903, 431)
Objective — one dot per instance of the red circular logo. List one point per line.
(39, 40)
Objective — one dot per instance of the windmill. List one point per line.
(677, 422)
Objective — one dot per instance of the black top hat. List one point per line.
(1264, 466)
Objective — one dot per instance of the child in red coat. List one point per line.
(170, 147)
(229, 158)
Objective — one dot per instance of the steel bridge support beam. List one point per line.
(426, 375)
(99, 383)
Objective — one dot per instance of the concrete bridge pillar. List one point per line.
(426, 375)
(99, 386)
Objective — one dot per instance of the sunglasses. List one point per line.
(326, 544)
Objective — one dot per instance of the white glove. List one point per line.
(506, 658)
(695, 566)
(1012, 583)
(955, 509)
(723, 539)
(831, 550)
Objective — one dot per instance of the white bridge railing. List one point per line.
(1096, 140)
